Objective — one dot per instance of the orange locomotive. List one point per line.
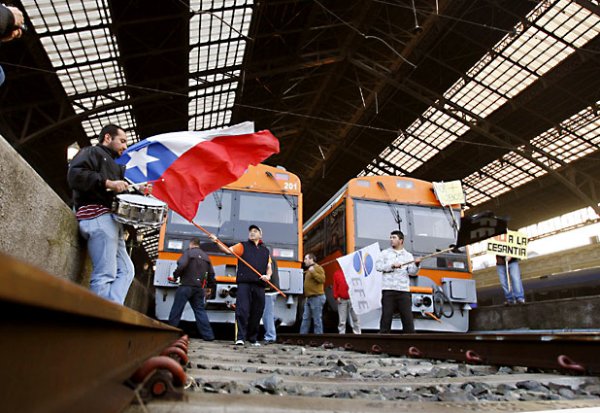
(265, 196)
(366, 210)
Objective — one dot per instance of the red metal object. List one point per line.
(536, 350)
(328, 345)
(566, 363)
(182, 341)
(180, 345)
(415, 352)
(375, 348)
(159, 388)
(160, 362)
(473, 357)
(176, 353)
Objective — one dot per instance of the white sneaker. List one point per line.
(255, 344)
(239, 343)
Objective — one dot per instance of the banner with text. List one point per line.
(512, 244)
(364, 281)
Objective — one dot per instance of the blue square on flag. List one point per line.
(147, 162)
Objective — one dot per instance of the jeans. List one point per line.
(249, 308)
(392, 300)
(345, 307)
(195, 295)
(268, 317)
(515, 292)
(313, 309)
(113, 270)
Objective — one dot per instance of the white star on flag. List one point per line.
(141, 159)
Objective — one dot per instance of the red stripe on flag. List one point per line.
(209, 166)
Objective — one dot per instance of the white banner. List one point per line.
(364, 281)
(449, 193)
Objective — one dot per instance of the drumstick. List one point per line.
(132, 185)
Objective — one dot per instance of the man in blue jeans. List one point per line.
(95, 178)
(197, 281)
(514, 292)
(314, 291)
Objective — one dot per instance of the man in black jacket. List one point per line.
(197, 281)
(95, 178)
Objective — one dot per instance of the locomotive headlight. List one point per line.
(283, 253)
(175, 244)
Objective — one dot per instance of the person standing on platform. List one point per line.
(250, 298)
(314, 292)
(95, 178)
(268, 317)
(396, 265)
(513, 293)
(197, 282)
(342, 297)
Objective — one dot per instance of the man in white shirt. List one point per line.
(396, 265)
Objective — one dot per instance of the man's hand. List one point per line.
(265, 277)
(207, 292)
(19, 21)
(311, 268)
(417, 261)
(117, 186)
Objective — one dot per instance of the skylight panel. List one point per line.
(575, 138)
(77, 38)
(515, 63)
(218, 35)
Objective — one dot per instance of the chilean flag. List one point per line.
(186, 166)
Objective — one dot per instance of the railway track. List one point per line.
(64, 349)
(67, 350)
(303, 378)
(573, 352)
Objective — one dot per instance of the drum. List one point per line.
(139, 210)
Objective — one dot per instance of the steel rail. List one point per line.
(64, 349)
(574, 352)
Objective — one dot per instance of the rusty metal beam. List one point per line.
(67, 349)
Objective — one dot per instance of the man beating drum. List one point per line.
(95, 178)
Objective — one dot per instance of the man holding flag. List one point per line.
(184, 167)
(250, 297)
(396, 265)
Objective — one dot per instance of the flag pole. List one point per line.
(218, 241)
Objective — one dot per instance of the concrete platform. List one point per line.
(563, 314)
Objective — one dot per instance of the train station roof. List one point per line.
(501, 94)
